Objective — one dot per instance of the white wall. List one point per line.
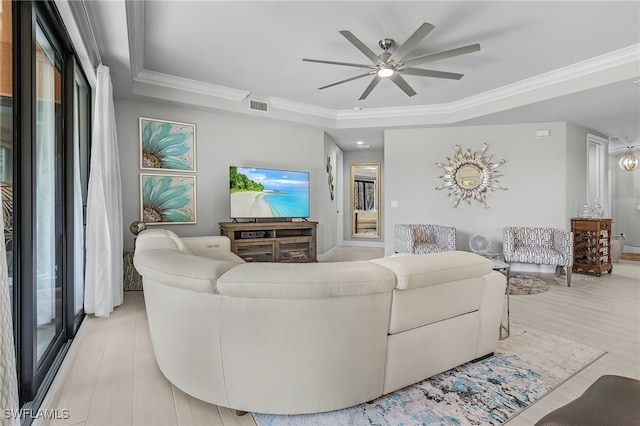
(328, 223)
(536, 173)
(223, 141)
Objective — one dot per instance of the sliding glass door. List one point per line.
(44, 151)
(48, 194)
(6, 134)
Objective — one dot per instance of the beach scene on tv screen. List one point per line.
(258, 193)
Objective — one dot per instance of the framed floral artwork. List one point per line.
(167, 145)
(167, 199)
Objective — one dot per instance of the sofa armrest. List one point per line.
(403, 238)
(176, 269)
(445, 236)
(563, 243)
(508, 243)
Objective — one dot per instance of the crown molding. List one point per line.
(302, 108)
(601, 63)
(180, 83)
(622, 57)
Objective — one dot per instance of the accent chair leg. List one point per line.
(569, 276)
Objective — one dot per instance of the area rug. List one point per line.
(526, 366)
(526, 284)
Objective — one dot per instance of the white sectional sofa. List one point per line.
(300, 338)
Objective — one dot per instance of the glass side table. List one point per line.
(491, 255)
(505, 326)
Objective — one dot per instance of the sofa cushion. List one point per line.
(305, 281)
(421, 270)
(538, 255)
(170, 267)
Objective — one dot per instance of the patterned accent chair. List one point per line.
(420, 239)
(542, 246)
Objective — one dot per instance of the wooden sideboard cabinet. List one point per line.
(591, 245)
(272, 241)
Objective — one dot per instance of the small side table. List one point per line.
(491, 255)
(132, 279)
(505, 326)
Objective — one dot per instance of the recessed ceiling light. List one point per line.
(360, 142)
(357, 108)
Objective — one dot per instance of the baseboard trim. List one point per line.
(630, 256)
(364, 243)
(326, 255)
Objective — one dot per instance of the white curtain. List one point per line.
(8, 378)
(103, 278)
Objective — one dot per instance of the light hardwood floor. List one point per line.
(110, 376)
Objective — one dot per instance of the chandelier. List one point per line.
(629, 162)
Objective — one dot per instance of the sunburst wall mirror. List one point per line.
(470, 176)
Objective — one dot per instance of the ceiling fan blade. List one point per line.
(402, 83)
(442, 55)
(411, 42)
(360, 46)
(347, 64)
(344, 81)
(370, 87)
(432, 73)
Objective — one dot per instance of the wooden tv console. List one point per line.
(272, 241)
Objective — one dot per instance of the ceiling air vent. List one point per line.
(258, 105)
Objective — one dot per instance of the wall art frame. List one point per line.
(167, 199)
(330, 177)
(167, 145)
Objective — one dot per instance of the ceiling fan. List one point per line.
(392, 65)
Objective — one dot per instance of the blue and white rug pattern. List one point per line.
(526, 367)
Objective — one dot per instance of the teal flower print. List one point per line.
(167, 145)
(167, 199)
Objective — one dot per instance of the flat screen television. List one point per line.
(256, 193)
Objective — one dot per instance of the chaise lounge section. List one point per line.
(301, 338)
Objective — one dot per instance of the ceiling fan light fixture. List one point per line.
(385, 72)
(393, 65)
